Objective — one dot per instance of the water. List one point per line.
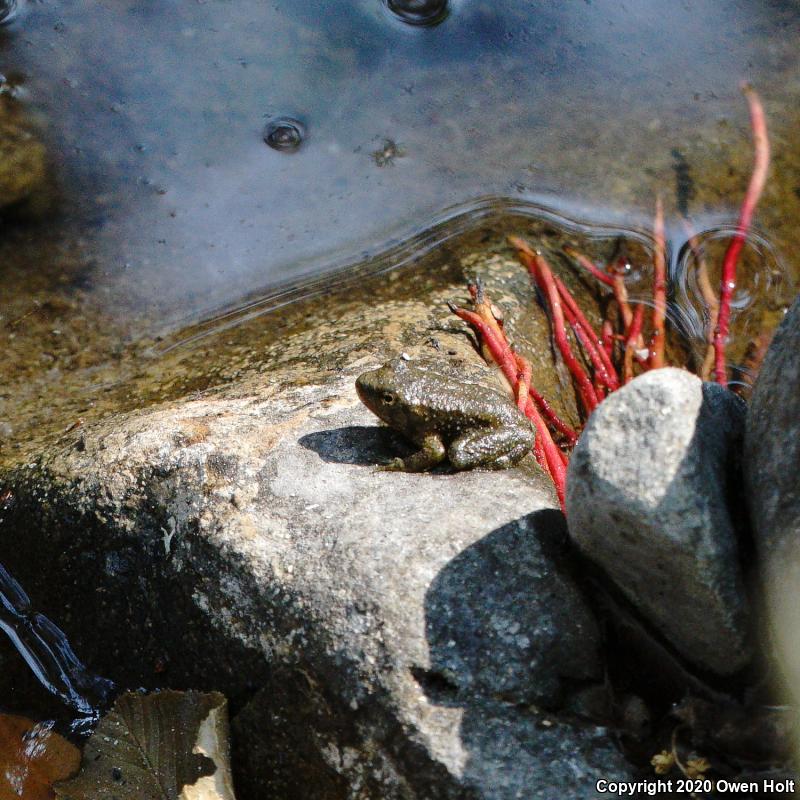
(175, 207)
(47, 652)
(210, 161)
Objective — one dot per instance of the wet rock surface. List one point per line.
(771, 469)
(23, 168)
(379, 634)
(648, 493)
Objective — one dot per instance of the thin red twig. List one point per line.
(608, 339)
(588, 338)
(589, 265)
(544, 277)
(656, 359)
(489, 314)
(542, 274)
(754, 190)
(507, 360)
(634, 331)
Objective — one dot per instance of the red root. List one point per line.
(656, 359)
(508, 362)
(597, 352)
(634, 331)
(754, 190)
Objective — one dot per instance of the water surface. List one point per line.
(172, 207)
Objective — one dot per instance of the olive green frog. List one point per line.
(447, 414)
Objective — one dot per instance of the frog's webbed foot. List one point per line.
(433, 452)
(393, 465)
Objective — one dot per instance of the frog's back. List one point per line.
(452, 397)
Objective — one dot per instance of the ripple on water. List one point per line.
(763, 287)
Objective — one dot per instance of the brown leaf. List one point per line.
(152, 747)
(32, 758)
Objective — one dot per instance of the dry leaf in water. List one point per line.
(32, 758)
(153, 747)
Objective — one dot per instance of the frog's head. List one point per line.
(381, 391)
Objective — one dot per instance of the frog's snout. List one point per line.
(373, 392)
(365, 388)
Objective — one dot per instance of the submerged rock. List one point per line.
(23, 164)
(648, 493)
(379, 634)
(771, 469)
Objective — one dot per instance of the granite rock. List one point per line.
(648, 500)
(379, 635)
(771, 470)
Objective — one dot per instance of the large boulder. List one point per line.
(379, 634)
(648, 500)
(772, 478)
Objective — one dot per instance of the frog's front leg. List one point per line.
(432, 452)
(495, 448)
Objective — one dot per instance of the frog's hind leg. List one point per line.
(431, 453)
(495, 449)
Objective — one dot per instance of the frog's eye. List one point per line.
(389, 398)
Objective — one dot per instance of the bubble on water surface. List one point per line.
(419, 12)
(284, 133)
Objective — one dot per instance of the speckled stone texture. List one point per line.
(380, 635)
(772, 478)
(648, 492)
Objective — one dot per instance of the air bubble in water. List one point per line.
(284, 133)
(419, 12)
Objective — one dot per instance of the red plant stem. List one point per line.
(608, 339)
(634, 332)
(754, 189)
(554, 458)
(656, 359)
(588, 338)
(555, 421)
(555, 461)
(523, 398)
(486, 311)
(506, 359)
(589, 265)
(500, 350)
(509, 362)
(621, 296)
(601, 374)
(542, 274)
(523, 381)
(613, 279)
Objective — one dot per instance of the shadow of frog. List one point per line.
(360, 445)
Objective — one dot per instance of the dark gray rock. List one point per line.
(772, 480)
(647, 500)
(505, 611)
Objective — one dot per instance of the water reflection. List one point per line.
(156, 117)
(48, 653)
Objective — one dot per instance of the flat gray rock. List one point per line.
(772, 479)
(647, 500)
(379, 635)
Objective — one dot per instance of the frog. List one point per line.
(448, 413)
